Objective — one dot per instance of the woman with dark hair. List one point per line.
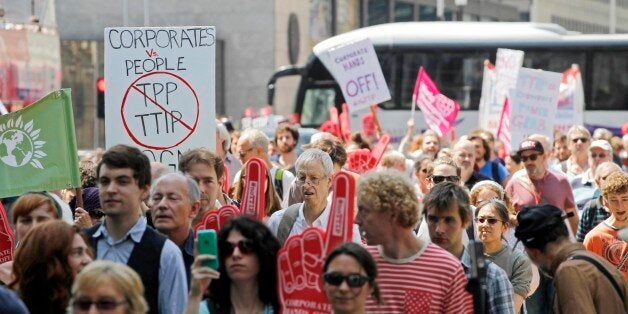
(273, 203)
(246, 281)
(347, 269)
(46, 263)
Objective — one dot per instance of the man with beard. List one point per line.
(286, 138)
(464, 156)
(584, 282)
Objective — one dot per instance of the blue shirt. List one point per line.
(487, 170)
(500, 291)
(173, 290)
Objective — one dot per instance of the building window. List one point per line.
(427, 13)
(378, 12)
(404, 11)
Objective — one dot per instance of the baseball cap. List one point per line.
(530, 145)
(536, 220)
(603, 144)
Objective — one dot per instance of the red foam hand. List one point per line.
(216, 219)
(360, 161)
(6, 238)
(335, 120)
(380, 148)
(300, 260)
(329, 127)
(253, 198)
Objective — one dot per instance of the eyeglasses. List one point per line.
(104, 304)
(312, 181)
(245, 246)
(532, 157)
(439, 179)
(243, 153)
(581, 139)
(353, 280)
(595, 155)
(490, 220)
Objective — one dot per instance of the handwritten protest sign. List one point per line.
(570, 100)
(507, 65)
(533, 104)
(358, 73)
(6, 237)
(300, 260)
(488, 85)
(439, 111)
(160, 94)
(254, 196)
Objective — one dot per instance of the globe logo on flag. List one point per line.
(19, 145)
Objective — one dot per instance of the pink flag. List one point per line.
(439, 111)
(503, 130)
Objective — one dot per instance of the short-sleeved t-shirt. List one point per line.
(517, 266)
(487, 170)
(604, 241)
(552, 189)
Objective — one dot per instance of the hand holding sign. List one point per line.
(300, 260)
(254, 196)
(216, 219)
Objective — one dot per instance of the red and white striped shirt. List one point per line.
(431, 281)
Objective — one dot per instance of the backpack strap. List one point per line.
(278, 182)
(287, 222)
(603, 270)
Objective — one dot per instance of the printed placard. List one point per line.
(253, 197)
(300, 260)
(533, 104)
(356, 69)
(160, 94)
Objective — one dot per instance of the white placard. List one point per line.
(160, 94)
(507, 65)
(533, 104)
(570, 100)
(356, 69)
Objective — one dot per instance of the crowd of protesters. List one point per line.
(549, 216)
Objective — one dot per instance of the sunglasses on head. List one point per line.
(439, 179)
(490, 220)
(596, 155)
(353, 280)
(581, 139)
(532, 157)
(245, 246)
(104, 304)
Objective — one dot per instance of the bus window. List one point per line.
(554, 61)
(458, 75)
(609, 89)
(316, 105)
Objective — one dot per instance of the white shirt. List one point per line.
(300, 224)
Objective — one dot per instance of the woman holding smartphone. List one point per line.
(246, 279)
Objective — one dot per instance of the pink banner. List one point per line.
(503, 131)
(439, 111)
(6, 238)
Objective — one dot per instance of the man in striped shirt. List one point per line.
(414, 276)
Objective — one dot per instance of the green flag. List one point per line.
(38, 147)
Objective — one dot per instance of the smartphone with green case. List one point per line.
(208, 244)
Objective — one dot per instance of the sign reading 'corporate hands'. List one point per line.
(356, 69)
(160, 94)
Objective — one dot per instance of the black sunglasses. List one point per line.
(96, 214)
(491, 221)
(596, 155)
(581, 139)
(439, 179)
(245, 246)
(532, 157)
(353, 280)
(104, 304)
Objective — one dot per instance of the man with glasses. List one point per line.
(464, 156)
(415, 276)
(583, 185)
(254, 143)
(448, 214)
(537, 186)
(579, 139)
(314, 177)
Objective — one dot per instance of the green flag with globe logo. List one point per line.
(38, 147)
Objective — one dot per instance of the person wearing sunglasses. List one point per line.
(349, 275)
(108, 287)
(246, 280)
(421, 167)
(448, 215)
(492, 224)
(583, 185)
(46, 263)
(579, 139)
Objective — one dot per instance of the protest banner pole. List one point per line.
(378, 127)
(79, 197)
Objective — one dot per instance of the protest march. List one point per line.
(184, 210)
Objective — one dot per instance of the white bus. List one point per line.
(453, 54)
